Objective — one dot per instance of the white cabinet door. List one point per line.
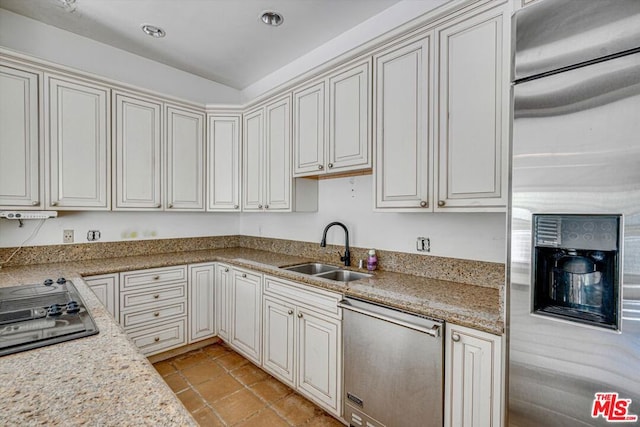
(403, 133)
(350, 119)
(246, 314)
(138, 140)
(78, 145)
(201, 301)
(279, 336)
(473, 108)
(19, 139)
(185, 159)
(473, 378)
(253, 164)
(223, 280)
(277, 156)
(107, 289)
(309, 121)
(318, 349)
(223, 163)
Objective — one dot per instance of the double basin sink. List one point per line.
(327, 271)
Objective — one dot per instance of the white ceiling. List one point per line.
(221, 40)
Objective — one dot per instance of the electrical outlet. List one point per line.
(67, 236)
(423, 244)
(93, 235)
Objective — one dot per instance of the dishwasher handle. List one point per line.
(434, 331)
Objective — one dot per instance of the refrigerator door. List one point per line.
(576, 149)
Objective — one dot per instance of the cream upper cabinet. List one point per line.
(473, 112)
(223, 162)
(403, 133)
(77, 144)
(332, 122)
(473, 378)
(20, 174)
(185, 172)
(266, 151)
(138, 148)
(309, 129)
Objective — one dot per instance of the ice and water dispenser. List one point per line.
(576, 268)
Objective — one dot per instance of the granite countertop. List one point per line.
(105, 380)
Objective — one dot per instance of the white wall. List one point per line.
(477, 236)
(387, 20)
(117, 226)
(44, 41)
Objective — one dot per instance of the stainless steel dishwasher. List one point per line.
(393, 372)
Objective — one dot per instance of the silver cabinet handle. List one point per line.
(156, 277)
(290, 312)
(320, 167)
(156, 296)
(299, 315)
(423, 204)
(330, 165)
(35, 203)
(259, 206)
(156, 314)
(54, 203)
(441, 203)
(455, 337)
(156, 339)
(266, 206)
(235, 206)
(244, 275)
(226, 270)
(170, 205)
(158, 205)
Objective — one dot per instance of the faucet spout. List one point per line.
(346, 258)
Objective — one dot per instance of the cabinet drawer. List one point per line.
(140, 317)
(158, 338)
(153, 277)
(153, 297)
(312, 298)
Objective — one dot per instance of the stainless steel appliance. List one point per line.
(573, 320)
(33, 316)
(393, 373)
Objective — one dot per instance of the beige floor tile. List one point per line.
(165, 368)
(296, 409)
(249, 374)
(202, 372)
(217, 388)
(207, 418)
(264, 418)
(176, 382)
(216, 350)
(238, 406)
(324, 421)
(189, 359)
(232, 361)
(190, 400)
(271, 390)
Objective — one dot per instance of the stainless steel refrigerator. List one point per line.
(573, 296)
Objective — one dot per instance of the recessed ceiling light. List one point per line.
(272, 18)
(153, 31)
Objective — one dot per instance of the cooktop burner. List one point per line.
(33, 316)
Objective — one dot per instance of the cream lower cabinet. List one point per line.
(473, 378)
(201, 301)
(20, 174)
(239, 310)
(302, 340)
(107, 290)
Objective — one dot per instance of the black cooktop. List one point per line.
(33, 316)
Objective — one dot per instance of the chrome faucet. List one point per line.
(323, 243)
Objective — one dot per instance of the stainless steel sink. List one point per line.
(312, 268)
(343, 275)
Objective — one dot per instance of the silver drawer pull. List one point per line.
(156, 339)
(455, 338)
(299, 315)
(244, 275)
(290, 312)
(226, 270)
(156, 277)
(156, 296)
(156, 314)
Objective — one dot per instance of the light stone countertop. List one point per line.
(105, 380)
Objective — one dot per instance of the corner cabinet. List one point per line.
(201, 301)
(332, 122)
(20, 175)
(403, 112)
(138, 152)
(473, 378)
(223, 162)
(473, 109)
(107, 290)
(78, 144)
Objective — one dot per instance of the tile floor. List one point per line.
(221, 388)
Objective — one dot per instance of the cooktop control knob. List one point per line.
(54, 310)
(48, 282)
(73, 307)
(61, 281)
